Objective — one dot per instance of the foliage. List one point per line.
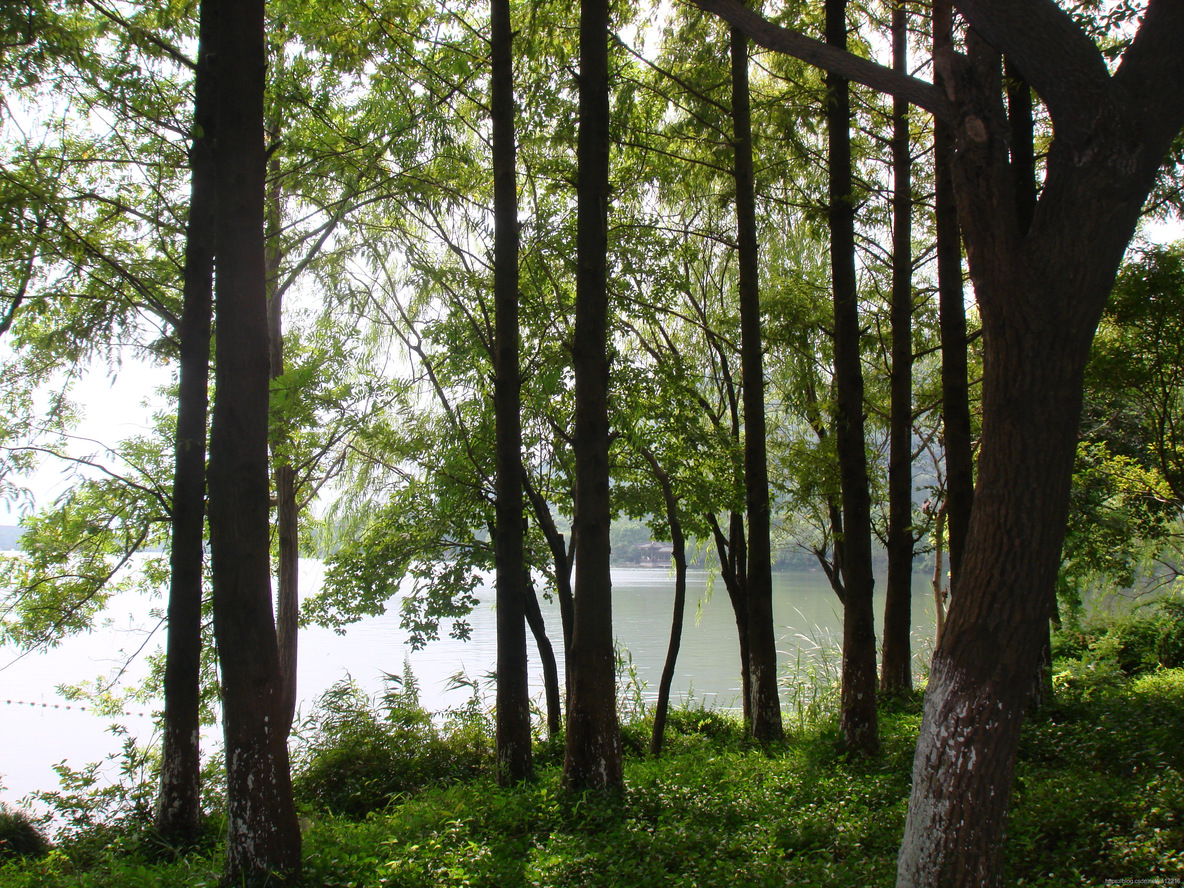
(19, 836)
(355, 758)
(714, 810)
(1145, 640)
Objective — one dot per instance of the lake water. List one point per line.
(809, 630)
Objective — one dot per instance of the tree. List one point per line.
(764, 704)
(1041, 294)
(857, 718)
(178, 807)
(955, 387)
(263, 834)
(593, 755)
(896, 668)
(513, 696)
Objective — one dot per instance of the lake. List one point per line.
(809, 630)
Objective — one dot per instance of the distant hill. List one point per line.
(9, 534)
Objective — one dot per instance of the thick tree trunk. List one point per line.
(857, 719)
(1041, 292)
(178, 811)
(593, 759)
(896, 672)
(981, 675)
(514, 762)
(263, 835)
(287, 511)
(956, 433)
(762, 642)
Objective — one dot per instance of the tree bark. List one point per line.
(956, 430)
(514, 761)
(762, 643)
(857, 718)
(287, 510)
(534, 618)
(1021, 141)
(263, 835)
(896, 672)
(1040, 294)
(178, 811)
(731, 552)
(678, 540)
(593, 754)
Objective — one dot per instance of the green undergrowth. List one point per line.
(1099, 796)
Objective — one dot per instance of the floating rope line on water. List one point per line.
(69, 706)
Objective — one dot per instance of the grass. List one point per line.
(1099, 795)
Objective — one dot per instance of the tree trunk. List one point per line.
(1023, 149)
(287, 511)
(514, 762)
(857, 719)
(593, 755)
(896, 672)
(731, 551)
(940, 595)
(1041, 292)
(680, 603)
(762, 642)
(178, 811)
(561, 557)
(263, 834)
(981, 676)
(955, 387)
(1021, 141)
(534, 618)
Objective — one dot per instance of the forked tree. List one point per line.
(263, 836)
(1041, 289)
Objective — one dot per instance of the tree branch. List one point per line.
(859, 70)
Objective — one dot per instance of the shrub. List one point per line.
(357, 756)
(1140, 642)
(19, 836)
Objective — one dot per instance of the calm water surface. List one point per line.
(809, 629)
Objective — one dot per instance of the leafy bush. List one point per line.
(357, 755)
(19, 836)
(1143, 641)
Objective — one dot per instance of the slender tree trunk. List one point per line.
(762, 641)
(730, 550)
(952, 324)
(896, 673)
(178, 812)
(561, 557)
(1022, 144)
(263, 835)
(534, 618)
(857, 719)
(939, 588)
(514, 762)
(287, 511)
(593, 759)
(678, 539)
